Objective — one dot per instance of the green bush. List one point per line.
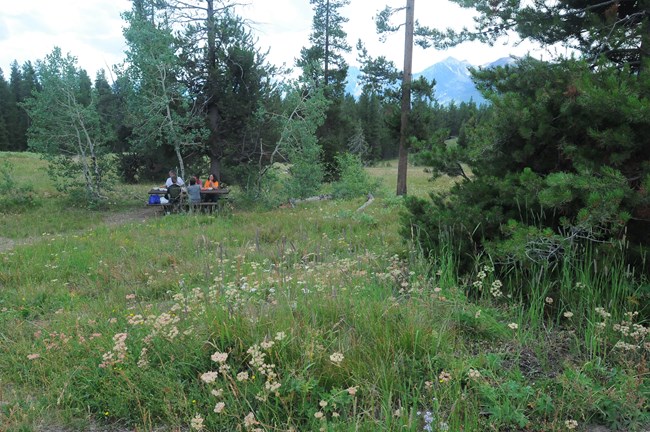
(12, 196)
(353, 181)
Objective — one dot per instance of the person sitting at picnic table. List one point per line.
(172, 175)
(198, 180)
(194, 191)
(174, 192)
(210, 184)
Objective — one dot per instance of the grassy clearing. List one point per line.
(313, 318)
(419, 181)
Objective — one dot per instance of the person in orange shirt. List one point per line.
(210, 183)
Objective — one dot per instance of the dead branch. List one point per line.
(367, 203)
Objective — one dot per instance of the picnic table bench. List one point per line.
(218, 195)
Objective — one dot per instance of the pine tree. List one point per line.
(323, 66)
(562, 158)
(323, 60)
(616, 30)
(7, 113)
(111, 108)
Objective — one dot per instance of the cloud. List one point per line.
(288, 31)
(91, 30)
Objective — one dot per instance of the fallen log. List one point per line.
(367, 203)
(294, 201)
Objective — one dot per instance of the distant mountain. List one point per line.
(453, 80)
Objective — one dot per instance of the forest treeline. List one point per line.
(364, 127)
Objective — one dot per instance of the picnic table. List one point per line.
(218, 195)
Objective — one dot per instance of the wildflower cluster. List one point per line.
(495, 289)
(117, 354)
(604, 315)
(257, 362)
(444, 377)
(238, 294)
(336, 358)
(482, 278)
(398, 273)
(571, 424)
(633, 336)
(197, 422)
(56, 340)
(428, 419)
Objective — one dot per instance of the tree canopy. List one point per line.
(560, 160)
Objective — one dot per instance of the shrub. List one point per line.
(353, 181)
(12, 196)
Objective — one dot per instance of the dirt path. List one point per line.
(139, 215)
(113, 219)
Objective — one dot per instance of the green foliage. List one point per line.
(353, 180)
(549, 175)
(241, 99)
(322, 62)
(13, 197)
(601, 394)
(259, 189)
(306, 172)
(71, 137)
(601, 30)
(158, 104)
(300, 143)
(507, 403)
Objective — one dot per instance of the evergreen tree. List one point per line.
(562, 158)
(617, 30)
(323, 60)
(85, 88)
(22, 84)
(405, 107)
(7, 113)
(227, 77)
(111, 107)
(371, 119)
(238, 91)
(323, 66)
(379, 103)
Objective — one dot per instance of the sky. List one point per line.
(91, 30)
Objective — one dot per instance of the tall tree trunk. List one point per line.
(170, 123)
(212, 111)
(402, 163)
(215, 168)
(644, 57)
(327, 43)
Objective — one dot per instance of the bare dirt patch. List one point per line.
(138, 215)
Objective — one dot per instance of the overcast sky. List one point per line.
(91, 30)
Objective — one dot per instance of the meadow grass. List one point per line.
(311, 318)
